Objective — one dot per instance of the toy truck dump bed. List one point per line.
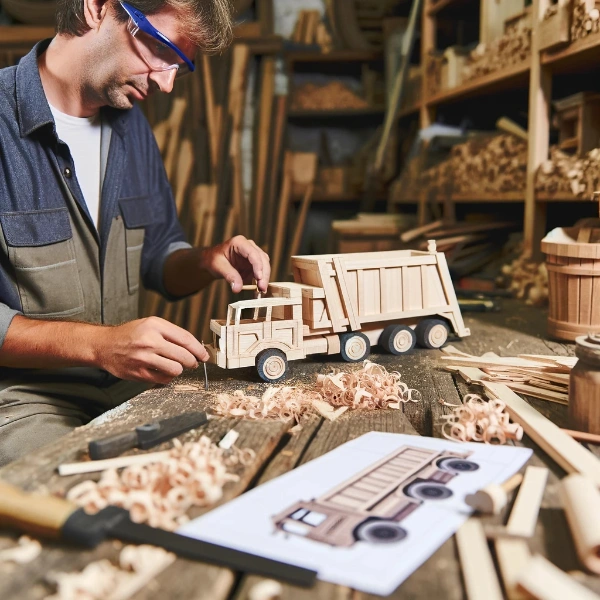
(342, 303)
(369, 506)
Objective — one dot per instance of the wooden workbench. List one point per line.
(516, 329)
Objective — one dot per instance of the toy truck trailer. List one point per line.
(342, 303)
(369, 506)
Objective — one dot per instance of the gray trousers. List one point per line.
(42, 406)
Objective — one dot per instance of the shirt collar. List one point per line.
(32, 105)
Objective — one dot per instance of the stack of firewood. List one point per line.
(332, 96)
(510, 49)
(495, 164)
(433, 73)
(586, 19)
(564, 174)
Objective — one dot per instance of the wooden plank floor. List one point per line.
(516, 329)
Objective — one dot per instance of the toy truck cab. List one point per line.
(265, 332)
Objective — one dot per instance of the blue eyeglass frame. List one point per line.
(140, 21)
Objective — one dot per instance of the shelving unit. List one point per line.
(535, 75)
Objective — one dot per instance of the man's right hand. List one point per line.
(149, 349)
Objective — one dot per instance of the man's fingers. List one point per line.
(180, 337)
(179, 354)
(164, 366)
(258, 259)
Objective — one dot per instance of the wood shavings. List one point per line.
(370, 387)
(101, 580)
(229, 439)
(478, 420)
(161, 493)
(26, 551)
(331, 96)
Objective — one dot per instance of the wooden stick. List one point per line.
(413, 234)
(476, 562)
(508, 125)
(512, 555)
(281, 227)
(211, 115)
(582, 436)
(112, 463)
(524, 515)
(581, 500)
(547, 582)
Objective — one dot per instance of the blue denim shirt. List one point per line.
(38, 184)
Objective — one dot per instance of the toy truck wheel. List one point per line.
(457, 466)
(271, 365)
(354, 346)
(380, 532)
(398, 339)
(428, 490)
(432, 333)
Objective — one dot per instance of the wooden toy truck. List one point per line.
(369, 506)
(341, 303)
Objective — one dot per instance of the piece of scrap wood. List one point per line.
(568, 453)
(581, 501)
(476, 562)
(565, 361)
(535, 392)
(229, 439)
(582, 436)
(112, 463)
(545, 581)
(505, 361)
(512, 554)
(524, 515)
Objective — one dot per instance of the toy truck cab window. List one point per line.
(296, 528)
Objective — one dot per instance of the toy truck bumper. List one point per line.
(216, 356)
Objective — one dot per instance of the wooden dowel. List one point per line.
(582, 436)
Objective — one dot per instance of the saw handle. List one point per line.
(33, 513)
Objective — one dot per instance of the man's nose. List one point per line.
(164, 79)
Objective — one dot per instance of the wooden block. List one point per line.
(524, 515)
(476, 562)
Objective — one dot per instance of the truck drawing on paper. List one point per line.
(341, 304)
(369, 506)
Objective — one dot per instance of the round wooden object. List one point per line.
(489, 501)
(573, 284)
(584, 386)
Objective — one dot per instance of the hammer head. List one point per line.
(490, 500)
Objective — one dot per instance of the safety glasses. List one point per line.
(156, 49)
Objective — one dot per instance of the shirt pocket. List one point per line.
(42, 254)
(137, 215)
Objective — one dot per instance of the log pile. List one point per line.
(586, 19)
(566, 175)
(332, 96)
(528, 280)
(489, 165)
(512, 48)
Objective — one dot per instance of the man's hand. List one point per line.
(238, 260)
(150, 349)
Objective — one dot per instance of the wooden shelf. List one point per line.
(500, 198)
(334, 56)
(346, 197)
(508, 78)
(561, 197)
(12, 35)
(409, 110)
(580, 54)
(442, 5)
(334, 114)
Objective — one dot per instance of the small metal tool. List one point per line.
(145, 436)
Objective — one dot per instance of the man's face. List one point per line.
(122, 76)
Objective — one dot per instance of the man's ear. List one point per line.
(94, 12)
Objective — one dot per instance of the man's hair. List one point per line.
(207, 23)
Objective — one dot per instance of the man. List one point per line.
(85, 208)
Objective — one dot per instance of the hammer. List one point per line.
(493, 498)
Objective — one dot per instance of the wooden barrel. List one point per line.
(573, 262)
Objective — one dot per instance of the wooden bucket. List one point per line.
(573, 262)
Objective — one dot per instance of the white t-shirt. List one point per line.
(83, 136)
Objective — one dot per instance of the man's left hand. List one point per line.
(238, 260)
